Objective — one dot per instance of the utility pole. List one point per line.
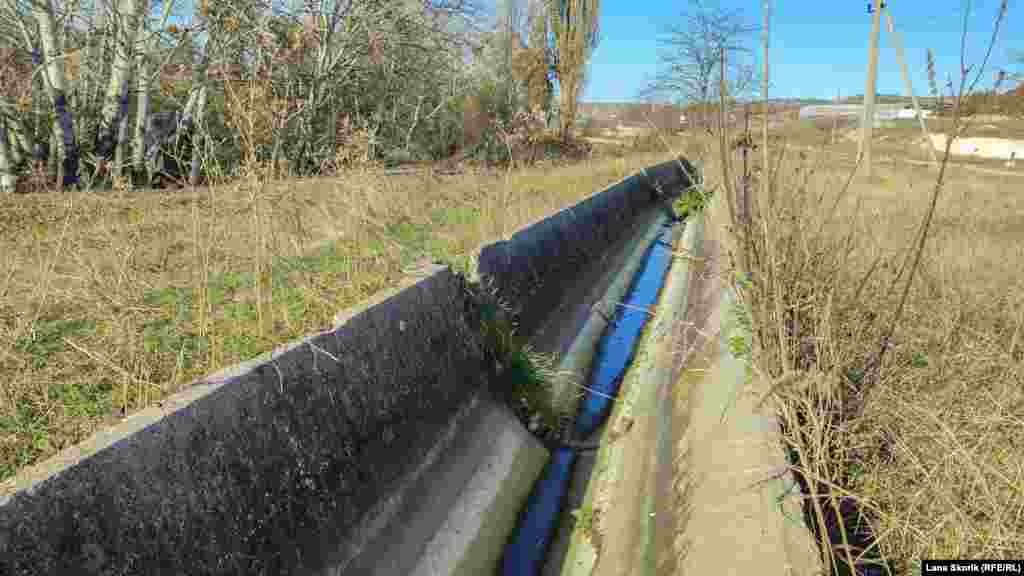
(908, 85)
(869, 86)
(766, 9)
(510, 13)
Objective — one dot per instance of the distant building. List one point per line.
(910, 114)
(855, 112)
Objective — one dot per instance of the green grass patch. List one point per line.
(453, 216)
(176, 302)
(233, 321)
(419, 239)
(331, 259)
(242, 346)
(411, 235)
(740, 342)
(290, 298)
(222, 287)
(84, 399)
(47, 338)
(530, 376)
(584, 516)
(693, 201)
(167, 337)
(30, 426)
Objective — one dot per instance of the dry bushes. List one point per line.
(888, 316)
(517, 138)
(926, 448)
(355, 147)
(919, 455)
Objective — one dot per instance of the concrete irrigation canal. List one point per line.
(527, 551)
(393, 443)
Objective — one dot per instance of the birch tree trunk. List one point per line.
(197, 126)
(198, 137)
(142, 99)
(7, 178)
(115, 105)
(15, 152)
(94, 57)
(122, 136)
(19, 145)
(16, 142)
(64, 130)
(188, 116)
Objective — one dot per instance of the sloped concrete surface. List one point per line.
(462, 508)
(744, 515)
(531, 269)
(739, 511)
(505, 460)
(288, 465)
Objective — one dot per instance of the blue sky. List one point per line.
(817, 47)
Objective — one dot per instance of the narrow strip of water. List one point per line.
(527, 550)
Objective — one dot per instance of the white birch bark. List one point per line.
(148, 43)
(198, 137)
(7, 177)
(66, 148)
(115, 105)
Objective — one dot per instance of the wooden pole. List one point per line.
(766, 8)
(908, 85)
(870, 88)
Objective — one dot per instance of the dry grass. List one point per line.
(887, 313)
(936, 445)
(110, 302)
(932, 450)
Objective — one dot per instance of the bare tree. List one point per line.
(76, 49)
(386, 65)
(393, 69)
(691, 52)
